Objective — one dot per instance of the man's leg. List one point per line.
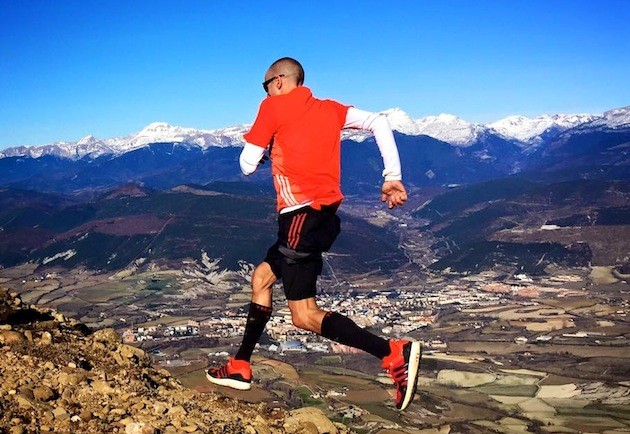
(299, 276)
(259, 310)
(401, 358)
(237, 372)
(299, 279)
(331, 325)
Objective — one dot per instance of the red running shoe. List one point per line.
(402, 364)
(236, 374)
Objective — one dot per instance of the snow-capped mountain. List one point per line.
(612, 119)
(445, 127)
(156, 132)
(527, 133)
(402, 122)
(161, 132)
(450, 129)
(529, 130)
(399, 121)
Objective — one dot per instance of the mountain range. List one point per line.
(435, 151)
(487, 191)
(526, 132)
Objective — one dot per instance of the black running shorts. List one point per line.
(296, 257)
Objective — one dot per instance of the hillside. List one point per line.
(231, 221)
(527, 225)
(55, 375)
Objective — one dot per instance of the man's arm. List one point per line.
(258, 138)
(379, 126)
(393, 191)
(250, 158)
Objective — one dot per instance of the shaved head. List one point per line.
(288, 67)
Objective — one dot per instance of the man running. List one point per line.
(303, 136)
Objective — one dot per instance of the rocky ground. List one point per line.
(58, 376)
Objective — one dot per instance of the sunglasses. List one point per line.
(266, 83)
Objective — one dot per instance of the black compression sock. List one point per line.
(256, 320)
(345, 331)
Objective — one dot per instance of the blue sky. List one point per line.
(109, 68)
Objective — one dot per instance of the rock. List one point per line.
(108, 337)
(138, 406)
(99, 346)
(164, 372)
(85, 415)
(189, 428)
(134, 428)
(75, 419)
(72, 365)
(60, 413)
(129, 351)
(43, 393)
(302, 418)
(11, 337)
(28, 334)
(47, 325)
(6, 327)
(24, 401)
(27, 392)
(120, 360)
(261, 425)
(308, 427)
(17, 430)
(68, 394)
(46, 339)
(72, 379)
(101, 386)
(159, 408)
(8, 384)
(177, 410)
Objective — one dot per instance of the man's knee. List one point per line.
(300, 320)
(262, 278)
(305, 319)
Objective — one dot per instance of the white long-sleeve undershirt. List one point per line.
(355, 119)
(379, 126)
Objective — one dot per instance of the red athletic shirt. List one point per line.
(306, 152)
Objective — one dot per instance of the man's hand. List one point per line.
(394, 193)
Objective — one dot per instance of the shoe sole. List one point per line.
(415, 354)
(228, 382)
